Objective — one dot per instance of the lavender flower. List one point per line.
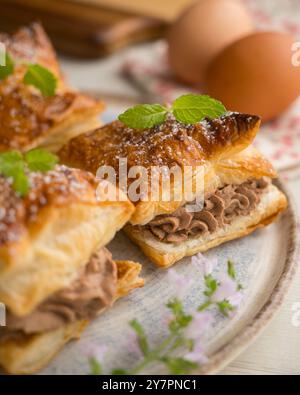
(204, 264)
(180, 283)
(133, 344)
(236, 299)
(200, 323)
(96, 351)
(197, 355)
(227, 287)
(186, 330)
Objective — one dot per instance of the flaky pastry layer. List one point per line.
(52, 234)
(30, 355)
(29, 119)
(164, 255)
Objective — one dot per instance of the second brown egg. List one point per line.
(201, 32)
(256, 75)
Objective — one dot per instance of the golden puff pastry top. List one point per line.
(222, 146)
(58, 187)
(27, 117)
(171, 143)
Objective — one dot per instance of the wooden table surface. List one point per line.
(277, 349)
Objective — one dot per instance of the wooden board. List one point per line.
(81, 29)
(166, 10)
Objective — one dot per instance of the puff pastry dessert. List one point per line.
(238, 193)
(55, 273)
(28, 119)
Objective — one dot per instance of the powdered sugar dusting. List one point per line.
(59, 186)
(168, 144)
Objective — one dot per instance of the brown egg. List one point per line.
(201, 32)
(256, 75)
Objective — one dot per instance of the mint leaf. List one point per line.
(41, 78)
(191, 108)
(9, 159)
(21, 182)
(188, 109)
(12, 165)
(144, 116)
(231, 270)
(8, 69)
(143, 343)
(40, 160)
(95, 366)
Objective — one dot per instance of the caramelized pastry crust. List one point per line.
(216, 146)
(28, 119)
(58, 187)
(169, 144)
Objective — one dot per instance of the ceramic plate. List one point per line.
(265, 265)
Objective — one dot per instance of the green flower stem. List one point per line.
(205, 305)
(153, 355)
(177, 339)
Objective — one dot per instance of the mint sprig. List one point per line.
(36, 75)
(8, 68)
(41, 78)
(12, 166)
(188, 109)
(15, 165)
(40, 160)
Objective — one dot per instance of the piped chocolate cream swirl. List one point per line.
(91, 292)
(220, 208)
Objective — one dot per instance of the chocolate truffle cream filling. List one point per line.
(91, 292)
(220, 208)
